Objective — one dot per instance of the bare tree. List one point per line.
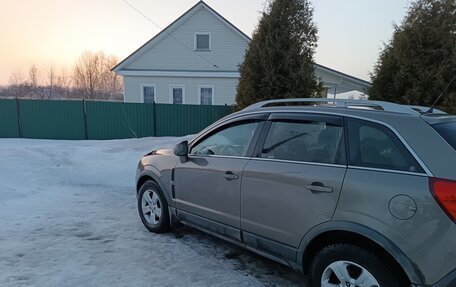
(51, 80)
(36, 84)
(63, 84)
(33, 76)
(18, 85)
(112, 82)
(93, 76)
(16, 78)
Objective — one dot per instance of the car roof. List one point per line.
(377, 111)
(343, 103)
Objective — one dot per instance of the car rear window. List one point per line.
(448, 132)
(372, 145)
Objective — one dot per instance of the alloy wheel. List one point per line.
(347, 274)
(151, 207)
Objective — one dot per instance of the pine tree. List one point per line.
(279, 61)
(420, 60)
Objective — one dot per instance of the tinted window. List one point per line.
(307, 141)
(230, 141)
(373, 145)
(448, 132)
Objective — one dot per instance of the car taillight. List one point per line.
(444, 192)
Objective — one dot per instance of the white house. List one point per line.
(195, 61)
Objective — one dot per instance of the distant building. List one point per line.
(195, 60)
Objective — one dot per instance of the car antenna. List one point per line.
(436, 101)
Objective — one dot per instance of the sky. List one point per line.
(55, 33)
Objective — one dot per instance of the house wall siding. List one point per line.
(170, 59)
(224, 88)
(227, 47)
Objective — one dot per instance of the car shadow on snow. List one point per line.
(241, 260)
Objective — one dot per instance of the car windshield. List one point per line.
(448, 132)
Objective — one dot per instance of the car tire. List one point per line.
(153, 208)
(349, 265)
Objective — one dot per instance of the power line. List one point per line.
(169, 34)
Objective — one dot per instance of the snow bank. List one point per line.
(68, 218)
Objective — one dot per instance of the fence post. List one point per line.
(84, 111)
(154, 111)
(18, 116)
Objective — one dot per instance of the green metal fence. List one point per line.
(9, 125)
(79, 119)
(107, 120)
(52, 119)
(177, 120)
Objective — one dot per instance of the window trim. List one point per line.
(333, 113)
(250, 147)
(261, 118)
(332, 119)
(387, 170)
(347, 116)
(141, 92)
(284, 116)
(199, 93)
(195, 39)
(300, 162)
(179, 86)
(401, 139)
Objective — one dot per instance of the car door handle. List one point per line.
(229, 175)
(318, 187)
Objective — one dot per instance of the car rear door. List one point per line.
(207, 184)
(294, 180)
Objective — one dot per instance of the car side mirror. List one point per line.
(181, 149)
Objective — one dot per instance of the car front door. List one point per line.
(293, 182)
(207, 183)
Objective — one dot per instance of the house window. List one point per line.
(202, 41)
(148, 93)
(176, 94)
(206, 95)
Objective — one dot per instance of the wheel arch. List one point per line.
(141, 180)
(149, 174)
(146, 175)
(361, 236)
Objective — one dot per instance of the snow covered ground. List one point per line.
(68, 218)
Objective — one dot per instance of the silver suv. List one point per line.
(357, 193)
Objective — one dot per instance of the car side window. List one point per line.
(375, 146)
(306, 141)
(233, 140)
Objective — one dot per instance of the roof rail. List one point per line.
(342, 103)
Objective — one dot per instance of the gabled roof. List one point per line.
(335, 72)
(201, 4)
(168, 30)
